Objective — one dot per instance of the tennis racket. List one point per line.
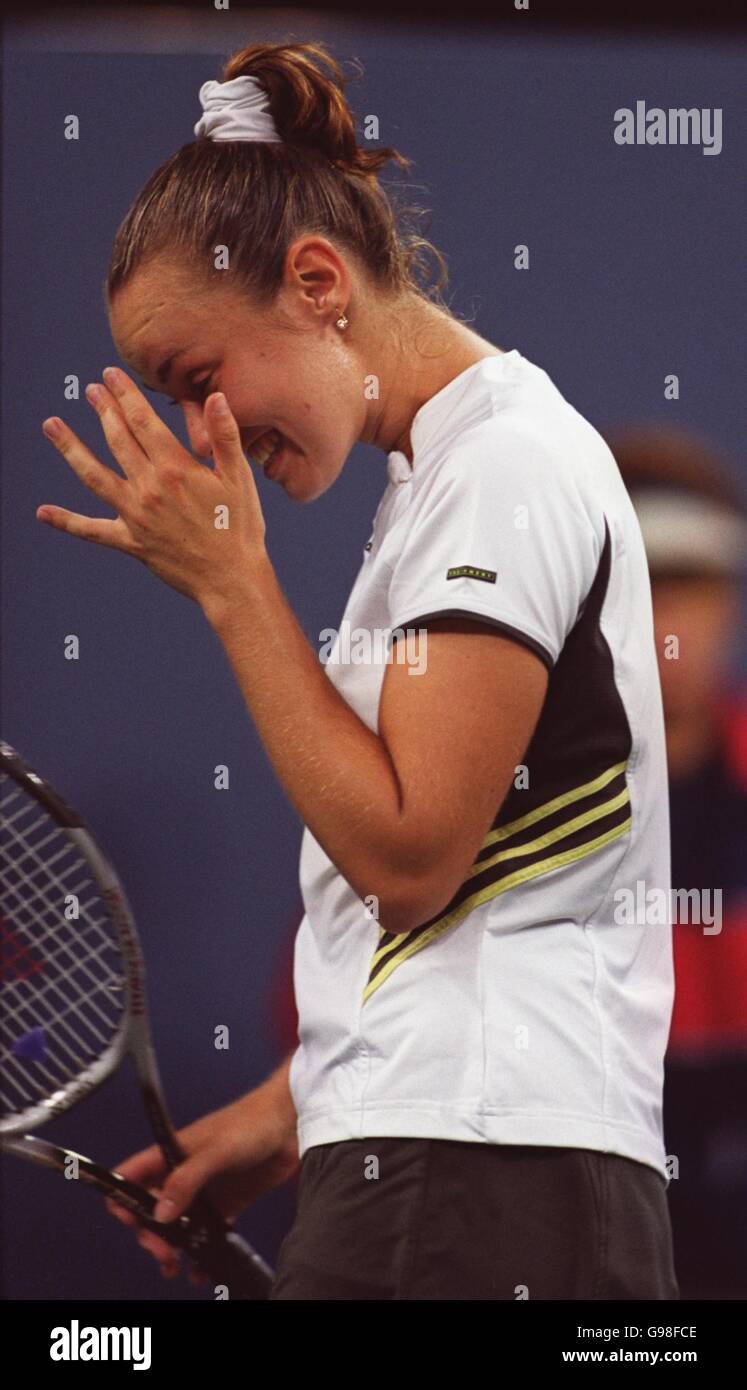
(73, 1005)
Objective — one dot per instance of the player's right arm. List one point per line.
(238, 1153)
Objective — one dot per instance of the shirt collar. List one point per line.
(427, 421)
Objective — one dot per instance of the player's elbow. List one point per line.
(413, 899)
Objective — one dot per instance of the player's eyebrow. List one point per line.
(162, 372)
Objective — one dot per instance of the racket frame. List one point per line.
(202, 1228)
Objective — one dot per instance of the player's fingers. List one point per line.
(183, 1183)
(133, 426)
(104, 482)
(88, 528)
(158, 1248)
(228, 455)
(128, 1218)
(119, 433)
(146, 1167)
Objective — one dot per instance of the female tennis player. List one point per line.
(483, 975)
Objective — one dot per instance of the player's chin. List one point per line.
(304, 482)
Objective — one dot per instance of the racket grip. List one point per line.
(231, 1261)
(218, 1250)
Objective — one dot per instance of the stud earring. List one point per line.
(342, 322)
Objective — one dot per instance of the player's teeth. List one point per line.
(277, 446)
(266, 446)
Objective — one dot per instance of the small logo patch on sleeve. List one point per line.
(472, 572)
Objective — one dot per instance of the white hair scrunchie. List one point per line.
(236, 110)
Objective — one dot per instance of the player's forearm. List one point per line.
(337, 773)
(275, 1092)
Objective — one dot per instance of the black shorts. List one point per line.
(445, 1219)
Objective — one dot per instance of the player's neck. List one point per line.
(430, 352)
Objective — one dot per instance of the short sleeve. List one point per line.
(499, 530)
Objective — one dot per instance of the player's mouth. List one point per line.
(270, 451)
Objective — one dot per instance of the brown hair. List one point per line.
(256, 197)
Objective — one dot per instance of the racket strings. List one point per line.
(63, 981)
(35, 902)
(20, 962)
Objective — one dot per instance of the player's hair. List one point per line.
(256, 197)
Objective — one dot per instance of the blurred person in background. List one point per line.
(694, 522)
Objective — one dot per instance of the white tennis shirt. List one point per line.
(527, 1012)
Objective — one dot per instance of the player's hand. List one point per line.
(237, 1154)
(198, 528)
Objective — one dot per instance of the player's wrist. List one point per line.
(222, 606)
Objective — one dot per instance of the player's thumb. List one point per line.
(181, 1187)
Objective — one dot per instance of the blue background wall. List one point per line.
(635, 259)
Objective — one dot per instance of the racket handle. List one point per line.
(214, 1246)
(232, 1262)
(208, 1240)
